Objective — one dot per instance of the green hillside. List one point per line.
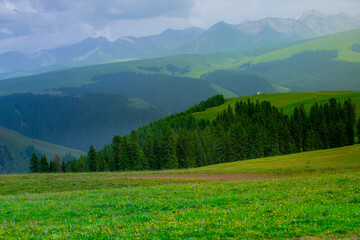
(345, 159)
(19, 150)
(286, 101)
(189, 65)
(76, 77)
(342, 42)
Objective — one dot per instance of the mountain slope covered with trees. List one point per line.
(249, 130)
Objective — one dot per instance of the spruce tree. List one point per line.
(81, 164)
(125, 152)
(116, 144)
(185, 151)
(200, 155)
(63, 167)
(350, 121)
(34, 163)
(144, 162)
(53, 167)
(92, 159)
(44, 165)
(358, 130)
(169, 147)
(73, 166)
(148, 149)
(134, 152)
(112, 166)
(101, 163)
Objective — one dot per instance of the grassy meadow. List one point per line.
(315, 195)
(287, 101)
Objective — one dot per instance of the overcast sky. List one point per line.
(32, 25)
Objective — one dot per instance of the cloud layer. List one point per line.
(32, 25)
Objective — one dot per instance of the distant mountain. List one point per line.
(270, 31)
(220, 37)
(98, 50)
(16, 151)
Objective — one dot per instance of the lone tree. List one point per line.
(34, 164)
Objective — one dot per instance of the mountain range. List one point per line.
(220, 37)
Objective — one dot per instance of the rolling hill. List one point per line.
(286, 101)
(331, 62)
(16, 151)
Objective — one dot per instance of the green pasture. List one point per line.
(286, 101)
(314, 207)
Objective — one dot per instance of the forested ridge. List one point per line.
(250, 130)
(73, 120)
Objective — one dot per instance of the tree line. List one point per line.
(249, 130)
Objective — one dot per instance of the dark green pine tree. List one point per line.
(63, 167)
(34, 163)
(81, 164)
(238, 143)
(185, 151)
(209, 145)
(200, 155)
(73, 166)
(169, 148)
(112, 166)
(125, 159)
(144, 161)
(116, 144)
(53, 167)
(158, 152)
(256, 143)
(312, 141)
(44, 165)
(102, 165)
(92, 159)
(350, 122)
(220, 145)
(134, 152)
(148, 149)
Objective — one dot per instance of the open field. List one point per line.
(287, 101)
(306, 195)
(322, 207)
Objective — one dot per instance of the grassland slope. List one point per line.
(286, 101)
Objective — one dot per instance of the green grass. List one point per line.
(322, 202)
(138, 103)
(321, 207)
(287, 101)
(335, 160)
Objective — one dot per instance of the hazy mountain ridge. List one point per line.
(220, 37)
